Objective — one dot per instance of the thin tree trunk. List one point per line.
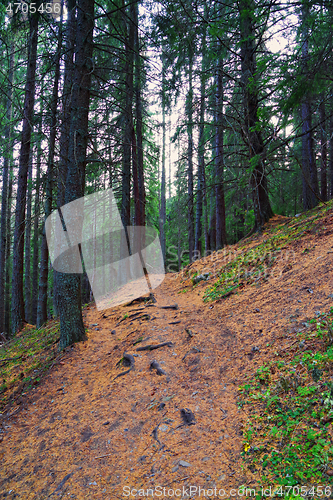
(27, 250)
(17, 287)
(36, 240)
(69, 285)
(201, 158)
(44, 257)
(5, 209)
(331, 153)
(252, 132)
(206, 226)
(221, 234)
(138, 111)
(189, 113)
(8, 252)
(309, 168)
(323, 150)
(163, 183)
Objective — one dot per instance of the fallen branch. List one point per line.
(151, 347)
(145, 316)
(172, 306)
(103, 456)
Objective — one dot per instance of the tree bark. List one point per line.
(8, 301)
(189, 113)
(163, 182)
(323, 150)
(5, 209)
(17, 284)
(70, 34)
(252, 131)
(201, 157)
(331, 153)
(36, 240)
(127, 123)
(220, 234)
(309, 168)
(27, 250)
(44, 254)
(138, 112)
(69, 285)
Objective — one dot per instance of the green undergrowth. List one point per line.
(254, 265)
(25, 358)
(288, 437)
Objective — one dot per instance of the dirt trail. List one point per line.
(84, 434)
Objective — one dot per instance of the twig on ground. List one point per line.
(151, 347)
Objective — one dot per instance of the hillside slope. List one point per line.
(85, 433)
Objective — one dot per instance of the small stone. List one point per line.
(174, 469)
(257, 310)
(330, 295)
(113, 332)
(205, 459)
(221, 477)
(163, 428)
(182, 463)
(93, 483)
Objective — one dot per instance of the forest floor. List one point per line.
(83, 433)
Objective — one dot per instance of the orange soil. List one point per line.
(81, 434)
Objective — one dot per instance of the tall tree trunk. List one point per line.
(309, 168)
(331, 153)
(69, 285)
(252, 130)
(8, 279)
(44, 254)
(17, 287)
(201, 157)
(323, 150)
(221, 234)
(5, 209)
(36, 240)
(70, 35)
(27, 250)
(189, 114)
(138, 112)
(163, 183)
(127, 123)
(206, 222)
